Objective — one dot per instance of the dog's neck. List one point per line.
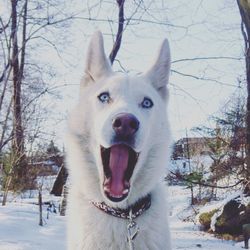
(134, 210)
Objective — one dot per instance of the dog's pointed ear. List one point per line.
(158, 74)
(97, 64)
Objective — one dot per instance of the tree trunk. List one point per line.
(40, 203)
(17, 71)
(18, 130)
(190, 170)
(60, 181)
(118, 40)
(244, 8)
(64, 200)
(6, 190)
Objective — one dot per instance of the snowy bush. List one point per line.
(205, 218)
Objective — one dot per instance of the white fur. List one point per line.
(90, 126)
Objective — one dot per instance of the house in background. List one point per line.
(191, 146)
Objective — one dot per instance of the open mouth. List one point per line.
(118, 165)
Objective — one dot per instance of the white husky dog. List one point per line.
(117, 152)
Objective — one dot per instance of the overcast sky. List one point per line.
(195, 29)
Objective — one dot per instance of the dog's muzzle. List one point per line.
(120, 159)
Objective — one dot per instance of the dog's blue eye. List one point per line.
(104, 97)
(147, 103)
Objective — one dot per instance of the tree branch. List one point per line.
(23, 48)
(202, 78)
(118, 40)
(4, 26)
(207, 58)
(182, 178)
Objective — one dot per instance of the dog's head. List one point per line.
(123, 125)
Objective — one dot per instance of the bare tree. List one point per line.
(244, 8)
(118, 40)
(17, 69)
(23, 30)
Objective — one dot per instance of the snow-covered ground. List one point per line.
(186, 235)
(19, 229)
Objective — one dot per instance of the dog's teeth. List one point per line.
(116, 196)
(106, 189)
(125, 191)
(126, 184)
(106, 181)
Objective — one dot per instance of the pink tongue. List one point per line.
(118, 164)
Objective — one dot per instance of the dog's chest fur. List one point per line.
(94, 229)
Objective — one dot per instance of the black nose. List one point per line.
(125, 124)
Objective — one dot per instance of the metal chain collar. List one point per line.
(137, 209)
(130, 214)
(132, 231)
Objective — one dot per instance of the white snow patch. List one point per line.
(19, 228)
(186, 235)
